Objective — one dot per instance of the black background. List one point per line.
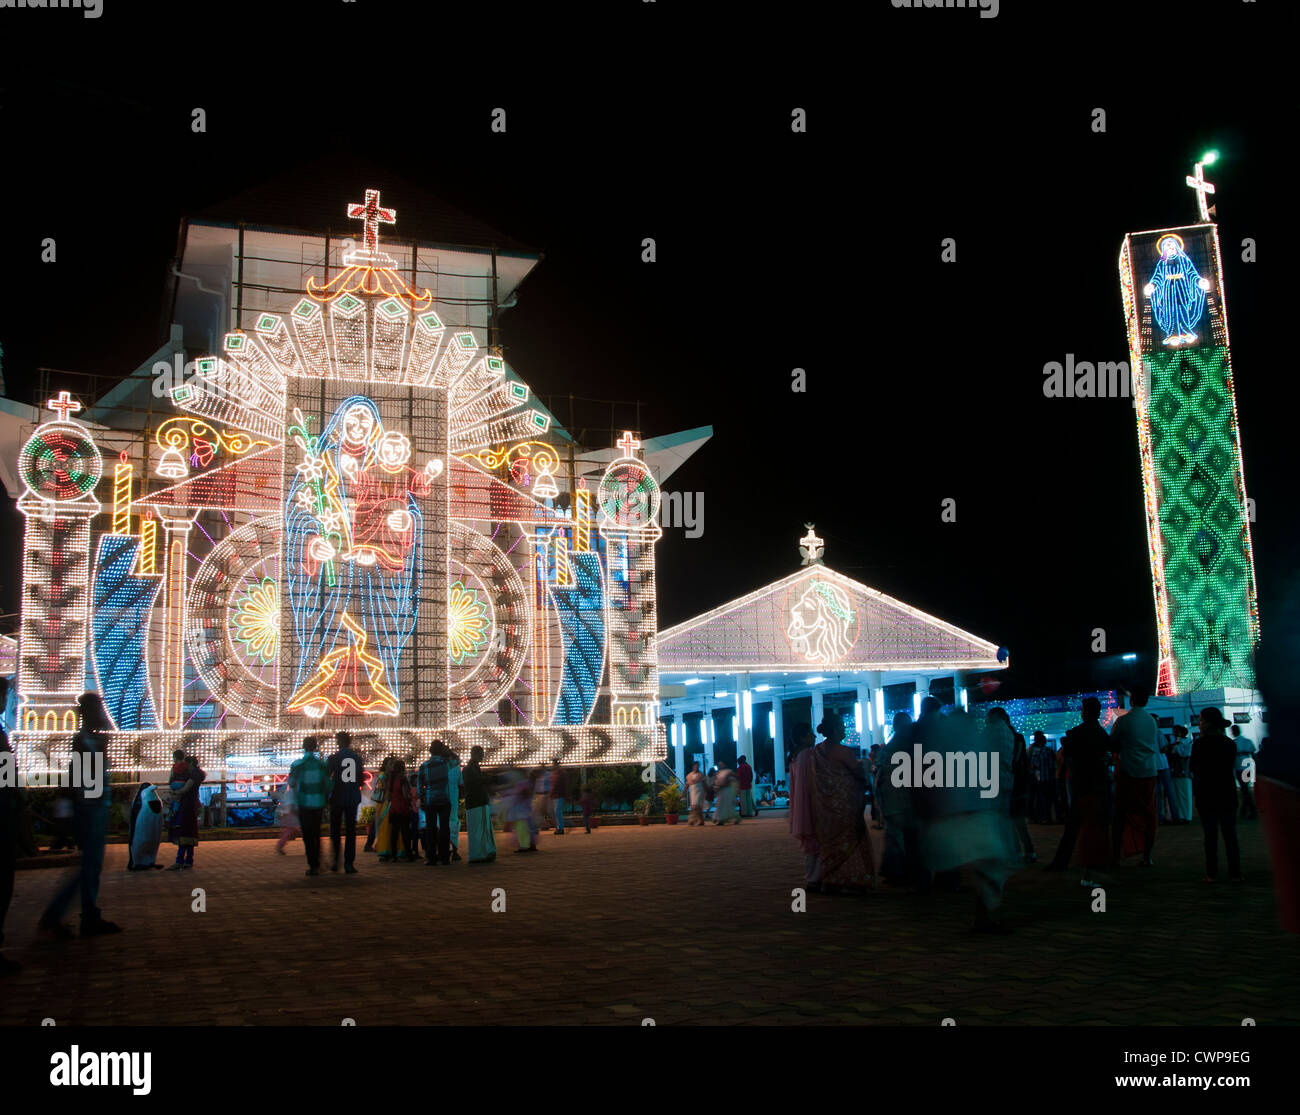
(775, 251)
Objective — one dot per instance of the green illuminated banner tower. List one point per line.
(1198, 525)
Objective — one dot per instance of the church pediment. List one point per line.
(817, 619)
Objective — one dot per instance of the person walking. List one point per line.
(91, 819)
(382, 841)
(1042, 768)
(309, 781)
(520, 812)
(588, 803)
(1245, 772)
(724, 788)
(695, 794)
(745, 786)
(9, 805)
(900, 860)
(1213, 764)
(433, 781)
(1019, 790)
(1180, 754)
(478, 813)
(454, 775)
(286, 812)
(1084, 751)
(559, 792)
(345, 799)
(1166, 810)
(1133, 739)
(400, 814)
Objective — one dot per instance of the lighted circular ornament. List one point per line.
(60, 463)
(628, 495)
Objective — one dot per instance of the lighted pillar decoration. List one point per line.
(818, 710)
(778, 740)
(679, 749)
(1198, 526)
(59, 467)
(629, 502)
(171, 681)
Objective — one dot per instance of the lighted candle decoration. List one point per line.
(148, 540)
(123, 472)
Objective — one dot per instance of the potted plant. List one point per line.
(671, 796)
(642, 809)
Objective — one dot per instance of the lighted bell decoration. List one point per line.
(173, 466)
(545, 488)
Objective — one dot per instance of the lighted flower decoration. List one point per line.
(306, 500)
(257, 619)
(331, 520)
(312, 468)
(467, 623)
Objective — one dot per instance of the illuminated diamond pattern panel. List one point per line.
(1203, 527)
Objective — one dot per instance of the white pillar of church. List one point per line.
(864, 710)
(679, 759)
(744, 727)
(706, 734)
(923, 689)
(818, 711)
(778, 741)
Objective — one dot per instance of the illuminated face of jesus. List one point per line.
(393, 451)
(358, 424)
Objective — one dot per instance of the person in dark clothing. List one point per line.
(345, 799)
(1214, 785)
(8, 834)
(433, 786)
(1022, 781)
(926, 732)
(478, 811)
(559, 792)
(1085, 748)
(91, 743)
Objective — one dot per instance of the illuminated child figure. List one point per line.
(1177, 293)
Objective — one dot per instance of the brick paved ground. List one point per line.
(679, 924)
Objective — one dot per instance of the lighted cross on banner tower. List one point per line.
(64, 404)
(811, 547)
(371, 213)
(627, 443)
(1198, 183)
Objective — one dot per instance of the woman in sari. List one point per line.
(478, 813)
(400, 815)
(724, 785)
(832, 777)
(183, 831)
(695, 787)
(455, 778)
(379, 798)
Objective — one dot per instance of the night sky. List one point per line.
(776, 251)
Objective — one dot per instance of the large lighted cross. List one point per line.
(64, 404)
(371, 213)
(1198, 183)
(810, 546)
(627, 443)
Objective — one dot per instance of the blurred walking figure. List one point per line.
(963, 825)
(453, 796)
(1180, 771)
(828, 788)
(1213, 765)
(1166, 810)
(724, 788)
(1016, 789)
(899, 862)
(588, 803)
(1042, 768)
(1084, 749)
(927, 733)
(520, 811)
(9, 806)
(434, 780)
(478, 813)
(695, 791)
(1245, 784)
(400, 813)
(186, 778)
(345, 774)
(559, 791)
(286, 813)
(92, 831)
(1133, 739)
(309, 781)
(745, 787)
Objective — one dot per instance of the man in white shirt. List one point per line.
(1133, 738)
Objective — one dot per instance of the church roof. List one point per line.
(816, 620)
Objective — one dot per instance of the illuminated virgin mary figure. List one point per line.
(352, 563)
(820, 623)
(1177, 292)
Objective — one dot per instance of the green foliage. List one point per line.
(671, 797)
(620, 784)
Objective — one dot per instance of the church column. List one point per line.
(679, 760)
(706, 734)
(864, 713)
(922, 691)
(778, 740)
(171, 683)
(818, 711)
(744, 719)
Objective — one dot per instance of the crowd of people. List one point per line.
(1110, 791)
